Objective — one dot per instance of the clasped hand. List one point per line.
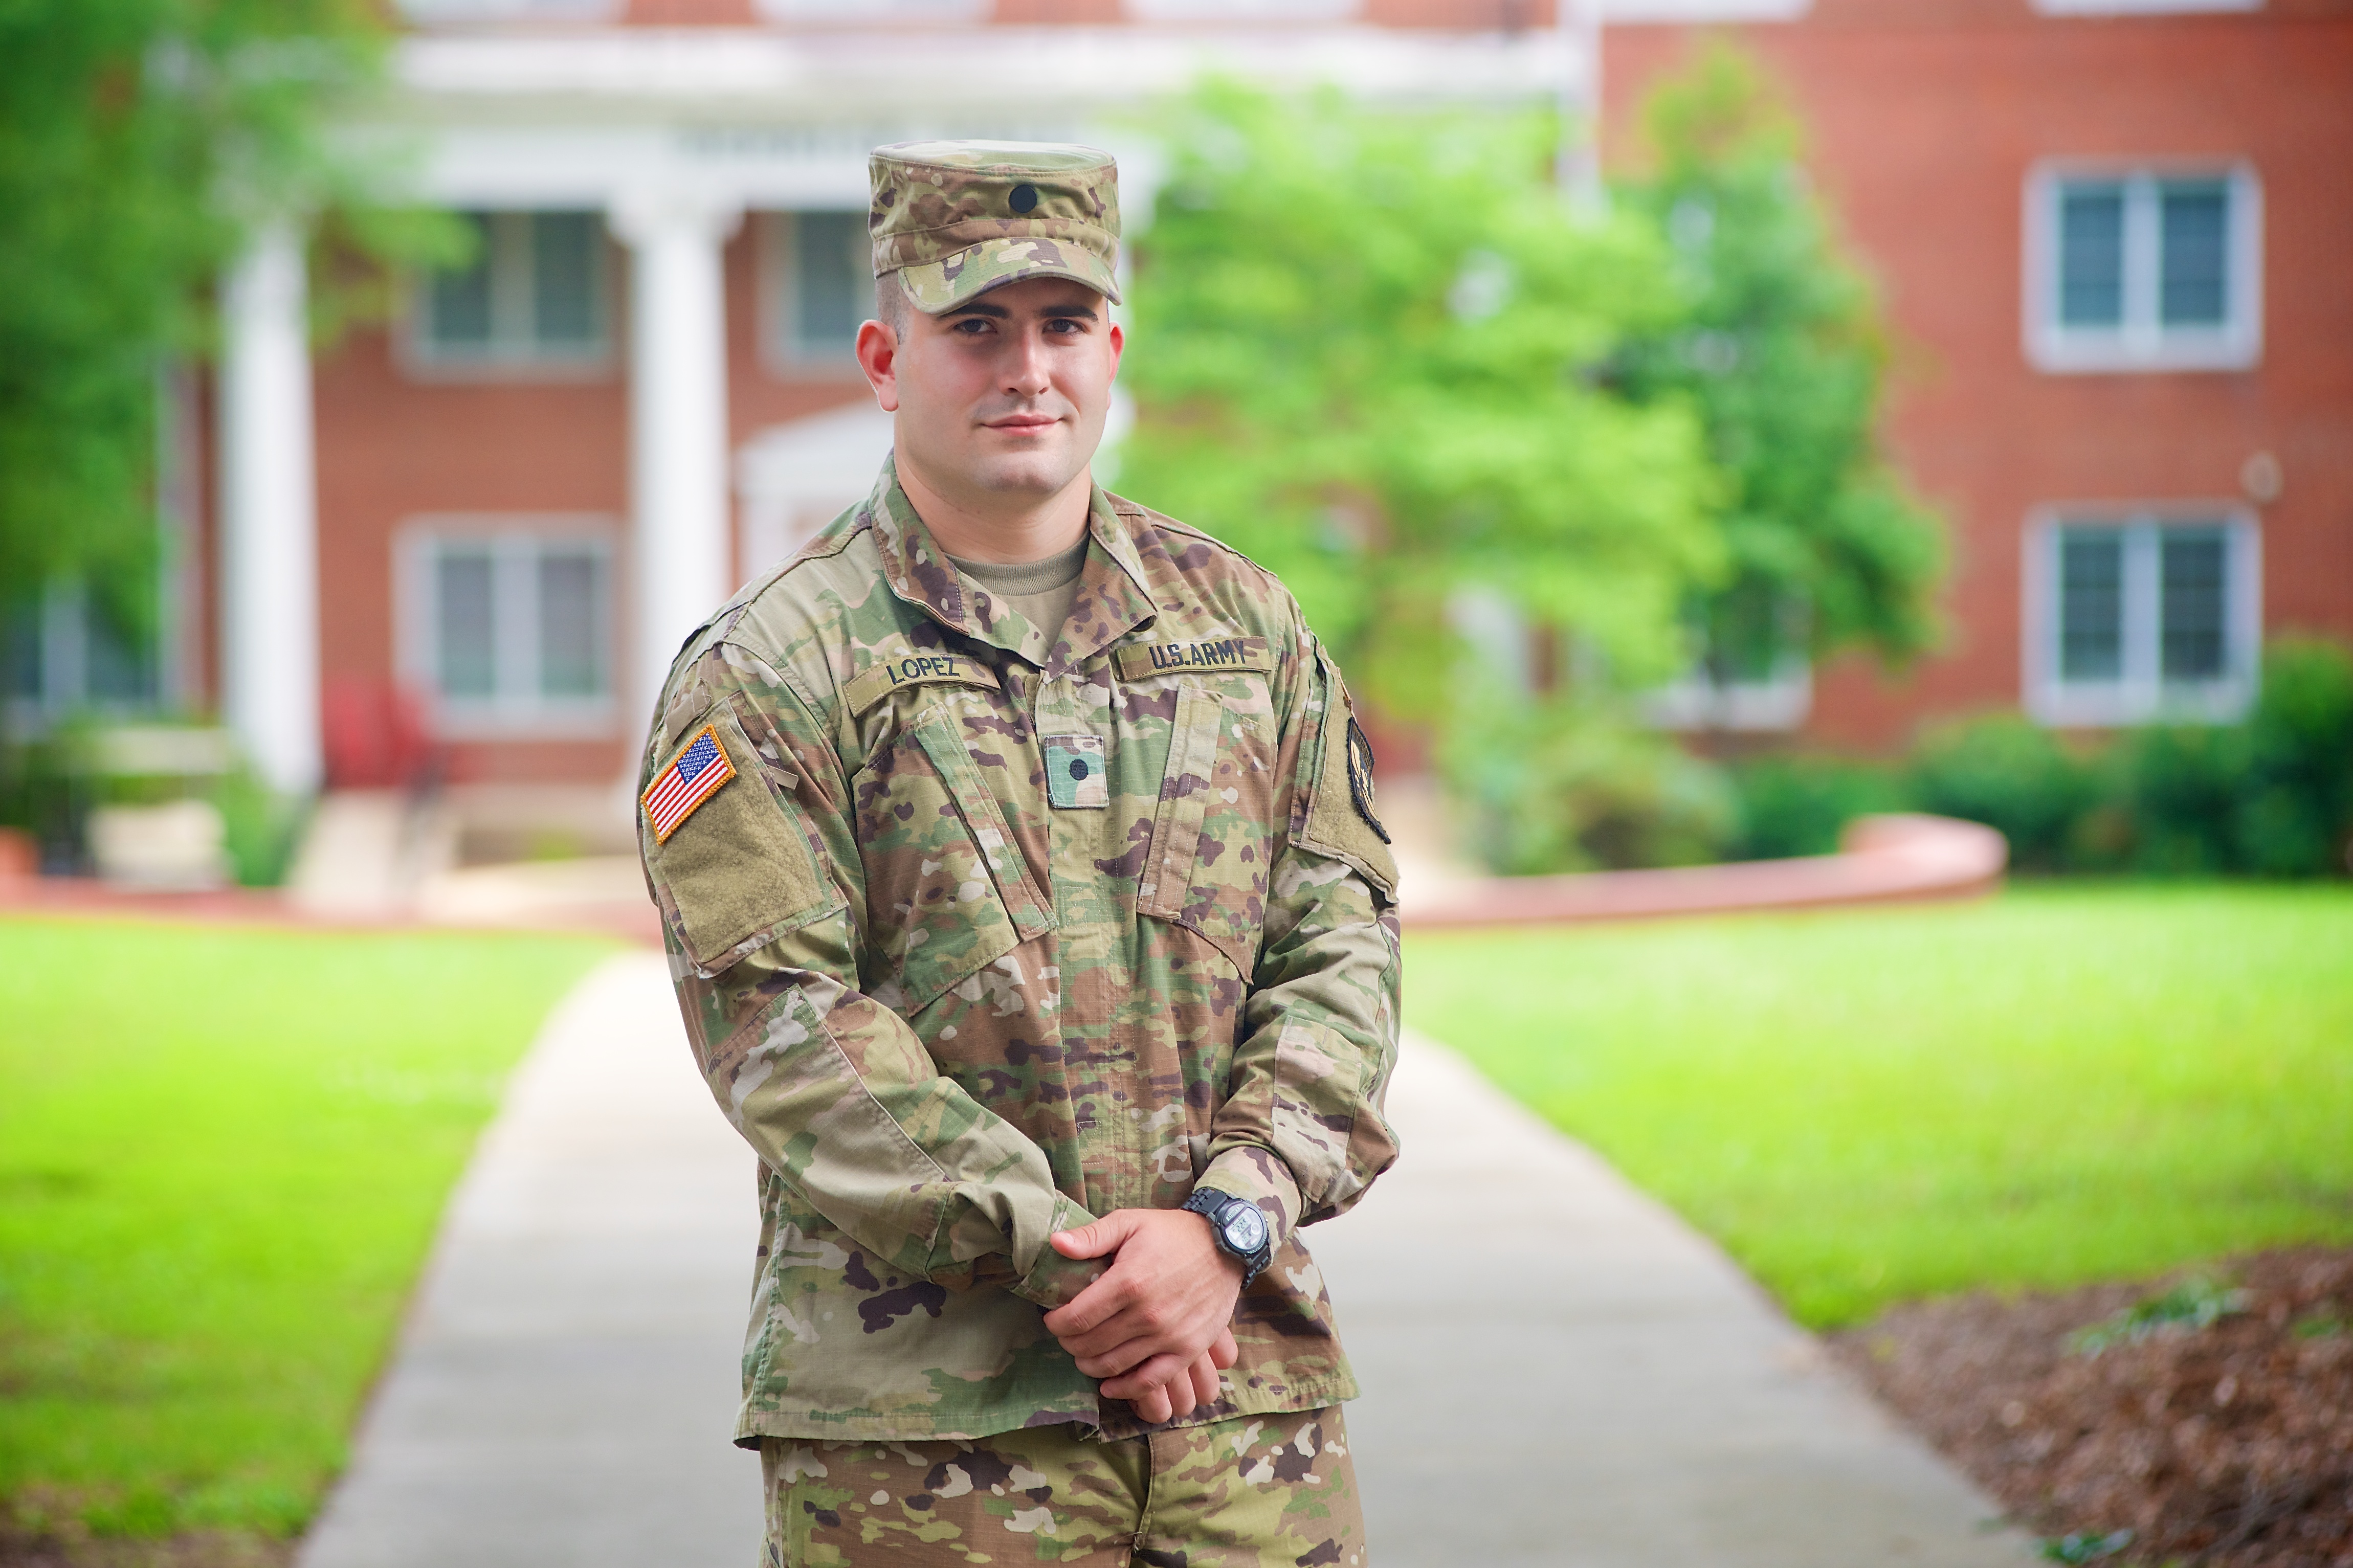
(1157, 1327)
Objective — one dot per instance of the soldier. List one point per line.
(1018, 866)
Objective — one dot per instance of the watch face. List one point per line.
(1245, 1229)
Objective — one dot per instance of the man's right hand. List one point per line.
(1197, 1384)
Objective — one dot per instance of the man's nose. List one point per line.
(1025, 369)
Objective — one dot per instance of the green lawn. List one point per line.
(2062, 1084)
(222, 1154)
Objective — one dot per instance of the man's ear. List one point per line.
(1118, 343)
(878, 356)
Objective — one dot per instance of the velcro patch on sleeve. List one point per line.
(1217, 655)
(735, 869)
(1340, 812)
(897, 669)
(694, 776)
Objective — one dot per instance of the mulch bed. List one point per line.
(74, 1548)
(2226, 1446)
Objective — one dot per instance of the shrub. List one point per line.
(265, 829)
(1798, 804)
(2294, 813)
(1552, 787)
(2177, 785)
(48, 788)
(2269, 797)
(1558, 787)
(2010, 774)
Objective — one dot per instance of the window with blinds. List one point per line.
(2143, 269)
(820, 283)
(531, 296)
(2139, 618)
(509, 630)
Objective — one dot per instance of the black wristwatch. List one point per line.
(1240, 1226)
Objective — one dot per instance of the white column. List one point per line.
(269, 503)
(1579, 162)
(678, 427)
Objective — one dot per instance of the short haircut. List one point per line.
(891, 302)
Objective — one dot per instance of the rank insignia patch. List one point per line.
(1075, 779)
(692, 777)
(1360, 777)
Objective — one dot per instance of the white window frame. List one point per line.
(2141, 343)
(1689, 12)
(780, 347)
(478, 13)
(1243, 11)
(513, 357)
(1698, 702)
(2139, 695)
(518, 710)
(2140, 7)
(868, 13)
(1777, 702)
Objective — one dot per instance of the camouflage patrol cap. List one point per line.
(956, 218)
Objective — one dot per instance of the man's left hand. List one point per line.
(1166, 1299)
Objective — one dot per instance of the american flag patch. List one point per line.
(692, 777)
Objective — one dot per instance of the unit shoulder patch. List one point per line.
(1217, 655)
(1360, 777)
(1338, 779)
(906, 667)
(696, 774)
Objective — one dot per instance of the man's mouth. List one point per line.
(1022, 423)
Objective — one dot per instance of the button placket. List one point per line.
(1075, 757)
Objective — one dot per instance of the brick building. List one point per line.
(2110, 235)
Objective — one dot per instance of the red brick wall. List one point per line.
(758, 394)
(1923, 118)
(394, 445)
(1474, 16)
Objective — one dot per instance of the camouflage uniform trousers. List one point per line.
(1254, 1492)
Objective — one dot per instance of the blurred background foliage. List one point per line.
(1380, 353)
(1779, 346)
(1371, 352)
(140, 143)
(2269, 796)
(1386, 357)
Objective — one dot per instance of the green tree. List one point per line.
(138, 140)
(1366, 351)
(1779, 347)
(1381, 355)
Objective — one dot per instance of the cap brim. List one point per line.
(939, 286)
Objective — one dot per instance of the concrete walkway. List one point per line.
(1558, 1370)
(567, 1382)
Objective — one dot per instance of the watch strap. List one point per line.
(1212, 1206)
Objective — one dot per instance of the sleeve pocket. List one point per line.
(737, 871)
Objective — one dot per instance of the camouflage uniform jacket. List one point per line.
(993, 932)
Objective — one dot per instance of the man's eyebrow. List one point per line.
(998, 312)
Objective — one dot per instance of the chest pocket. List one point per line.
(1212, 826)
(947, 888)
